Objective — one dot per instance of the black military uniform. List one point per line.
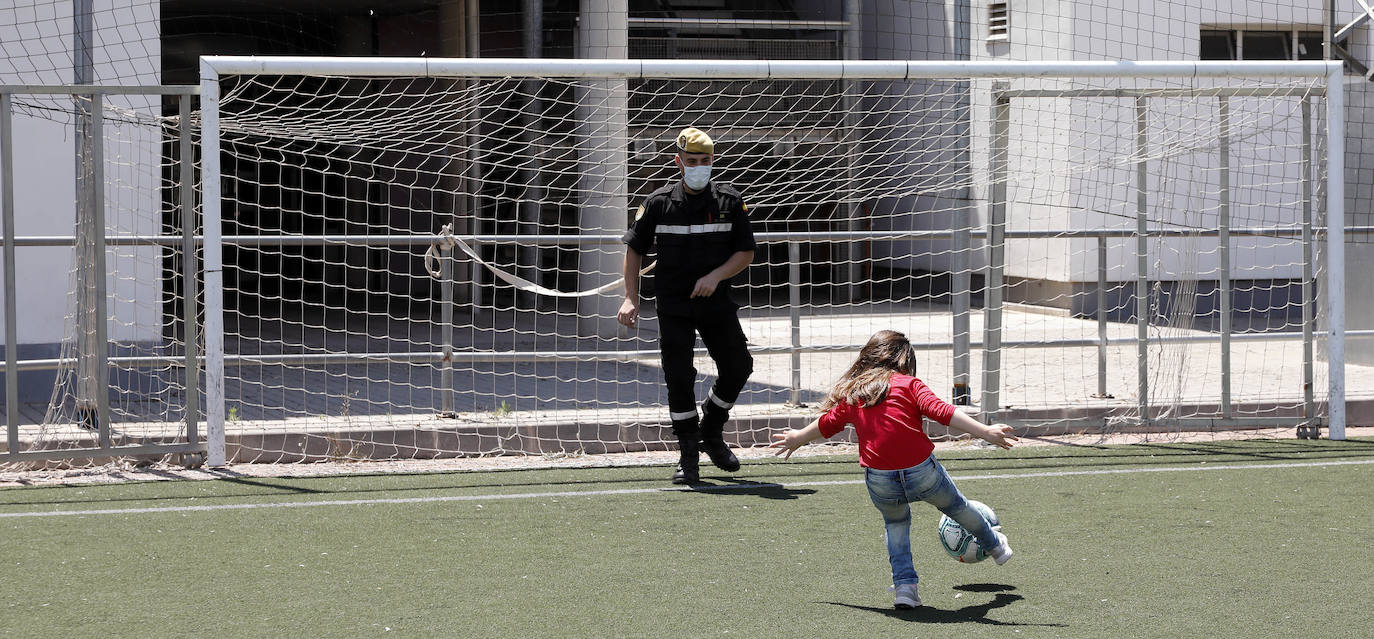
(695, 233)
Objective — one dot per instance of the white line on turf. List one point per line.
(646, 491)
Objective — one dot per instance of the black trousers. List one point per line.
(724, 339)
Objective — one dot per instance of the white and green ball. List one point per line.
(960, 543)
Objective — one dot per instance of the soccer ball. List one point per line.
(960, 543)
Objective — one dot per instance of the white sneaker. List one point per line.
(906, 596)
(1002, 553)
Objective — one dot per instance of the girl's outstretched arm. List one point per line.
(795, 438)
(999, 435)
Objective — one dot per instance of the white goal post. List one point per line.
(861, 192)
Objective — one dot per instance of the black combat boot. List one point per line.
(688, 470)
(712, 438)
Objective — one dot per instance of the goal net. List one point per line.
(1109, 247)
(109, 364)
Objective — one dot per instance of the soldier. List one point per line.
(703, 238)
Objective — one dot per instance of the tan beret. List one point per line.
(693, 140)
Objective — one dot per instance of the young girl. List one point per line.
(884, 403)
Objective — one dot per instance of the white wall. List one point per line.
(38, 40)
(902, 141)
(1044, 198)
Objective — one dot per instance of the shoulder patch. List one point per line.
(729, 189)
(639, 213)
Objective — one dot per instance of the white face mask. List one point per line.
(696, 177)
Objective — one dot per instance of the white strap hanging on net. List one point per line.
(448, 241)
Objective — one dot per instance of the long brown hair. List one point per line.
(867, 381)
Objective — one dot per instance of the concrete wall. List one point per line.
(1081, 30)
(1086, 30)
(905, 135)
(40, 45)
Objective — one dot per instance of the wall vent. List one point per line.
(999, 22)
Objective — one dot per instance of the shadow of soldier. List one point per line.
(734, 486)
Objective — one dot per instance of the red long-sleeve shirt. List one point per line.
(890, 433)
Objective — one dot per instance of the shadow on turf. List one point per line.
(747, 487)
(1166, 453)
(260, 486)
(968, 614)
(1142, 455)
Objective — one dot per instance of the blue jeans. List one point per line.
(892, 491)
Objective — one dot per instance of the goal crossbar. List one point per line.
(752, 69)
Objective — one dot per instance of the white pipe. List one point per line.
(1335, 247)
(214, 265)
(792, 69)
(737, 23)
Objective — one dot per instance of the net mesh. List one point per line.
(135, 189)
(340, 344)
(531, 156)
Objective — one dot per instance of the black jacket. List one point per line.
(694, 234)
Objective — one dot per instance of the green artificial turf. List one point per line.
(1219, 539)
